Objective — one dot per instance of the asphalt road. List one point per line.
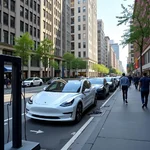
(50, 135)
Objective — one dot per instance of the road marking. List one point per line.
(37, 132)
(11, 118)
(70, 142)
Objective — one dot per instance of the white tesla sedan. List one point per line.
(62, 101)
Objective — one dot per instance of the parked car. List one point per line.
(53, 79)
(32, 81)
(111, 82)
(101, 85)
(62, 101)
(116, 81)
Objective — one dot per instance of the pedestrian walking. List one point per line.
(144, 88)
(136, 81)
(124, 85)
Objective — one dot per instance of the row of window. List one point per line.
(33, 5)
(24, 27)
(47, 26)
(79, 28)
(79, 1)
(79, 36)
(79, 45)
(33, 17)
(47, 15)
(6, 4)
(83, 9)
(84, 54)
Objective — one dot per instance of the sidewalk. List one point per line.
(120, 127)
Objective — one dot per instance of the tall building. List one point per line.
(107, 48)
(84, 32)
(102, 51)
(42, 19)
(18, 17)
(115, 47)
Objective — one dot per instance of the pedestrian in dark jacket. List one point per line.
(136, 81)
(144, 88)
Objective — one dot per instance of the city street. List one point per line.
(50, 135)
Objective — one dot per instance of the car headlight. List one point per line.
(30, 101)
(68, 103)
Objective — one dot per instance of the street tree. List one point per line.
(68, 58)
(45, 52)
(138, 32)
(22, 48)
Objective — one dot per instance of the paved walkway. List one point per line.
(120, 126)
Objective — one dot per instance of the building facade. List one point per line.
(102, 51)
(115, 47)
(42, 19)
(84, 32)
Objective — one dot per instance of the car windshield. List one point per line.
(96, 81)
(29, 79)
(108, 79)
(72, 87)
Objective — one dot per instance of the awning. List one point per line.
(7, 69)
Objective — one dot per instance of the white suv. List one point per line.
(32, 81)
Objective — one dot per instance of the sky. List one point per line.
(107, 10)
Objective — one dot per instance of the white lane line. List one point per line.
(70, 142)
(109, 99)
(11, 118)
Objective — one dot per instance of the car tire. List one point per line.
(40, 84)
(31, 84)
(79, 110)
(104, 96)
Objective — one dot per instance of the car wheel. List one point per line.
(104, 96)
(95, 101)
(40, 84)
(78, 113)
(31, 84)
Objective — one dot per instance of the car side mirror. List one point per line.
(86, 90)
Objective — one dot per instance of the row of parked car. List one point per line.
(67, 100)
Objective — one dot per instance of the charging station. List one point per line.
(17, 142)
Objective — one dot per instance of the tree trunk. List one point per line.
(141, 61)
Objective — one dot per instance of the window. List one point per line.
(26, 13)
(84, 26)
(38, 33)
(26, 27)
(79, 54)
(84, 44)
(79, 27)
(38, 21)
(34, 45)
(0, 35)
(21, 26)
(84, 54)
(21, 11)
(34, 19)
(31, 3)
(0, 16)
(12, 21)
(79, 10)
(26, 2)
(34, 5)
(5, 3)
(31, 30)
(79, 18)
(34, 32)
(12, 7)
(79, 1)
(84, 18)
(79, 45)
(44, 24)
(5, 18)
(79, 36)
(38, 8)
(84, 9)
(5, 36)
(12, 38)
(31, 17)
(44, 12)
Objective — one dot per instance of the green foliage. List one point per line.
(23, 46)
(100, 68)
(45, 52)
(139, 30)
